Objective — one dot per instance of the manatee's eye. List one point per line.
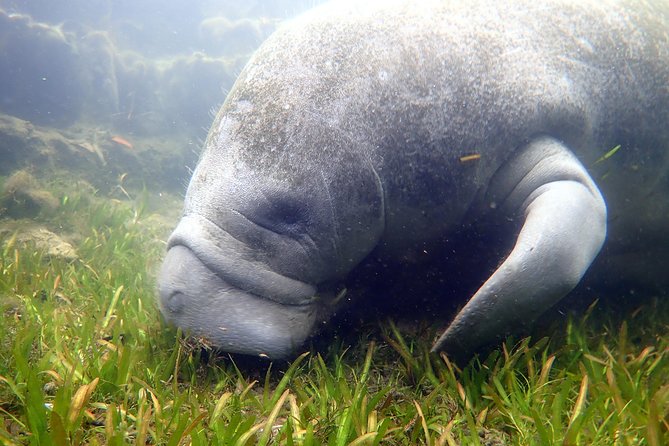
(288, 211)
(284, 215)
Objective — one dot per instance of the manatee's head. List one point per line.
(211, 289)
(279, 209)
(255, 263)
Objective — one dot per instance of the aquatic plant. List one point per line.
(85, 359)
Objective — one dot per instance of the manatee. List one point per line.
(379, 129)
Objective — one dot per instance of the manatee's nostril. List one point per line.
(175, 302)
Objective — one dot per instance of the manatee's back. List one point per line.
(413, 88)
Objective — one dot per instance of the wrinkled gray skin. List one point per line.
(344, 134)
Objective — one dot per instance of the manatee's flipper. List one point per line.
(563, 230)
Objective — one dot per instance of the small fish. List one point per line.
(122, 141)
(472, 157)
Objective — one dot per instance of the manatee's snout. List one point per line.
(195, 298)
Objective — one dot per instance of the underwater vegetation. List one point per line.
(85, 359)
(20, 194)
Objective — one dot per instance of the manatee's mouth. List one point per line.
(235, 303)
(205, 240)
